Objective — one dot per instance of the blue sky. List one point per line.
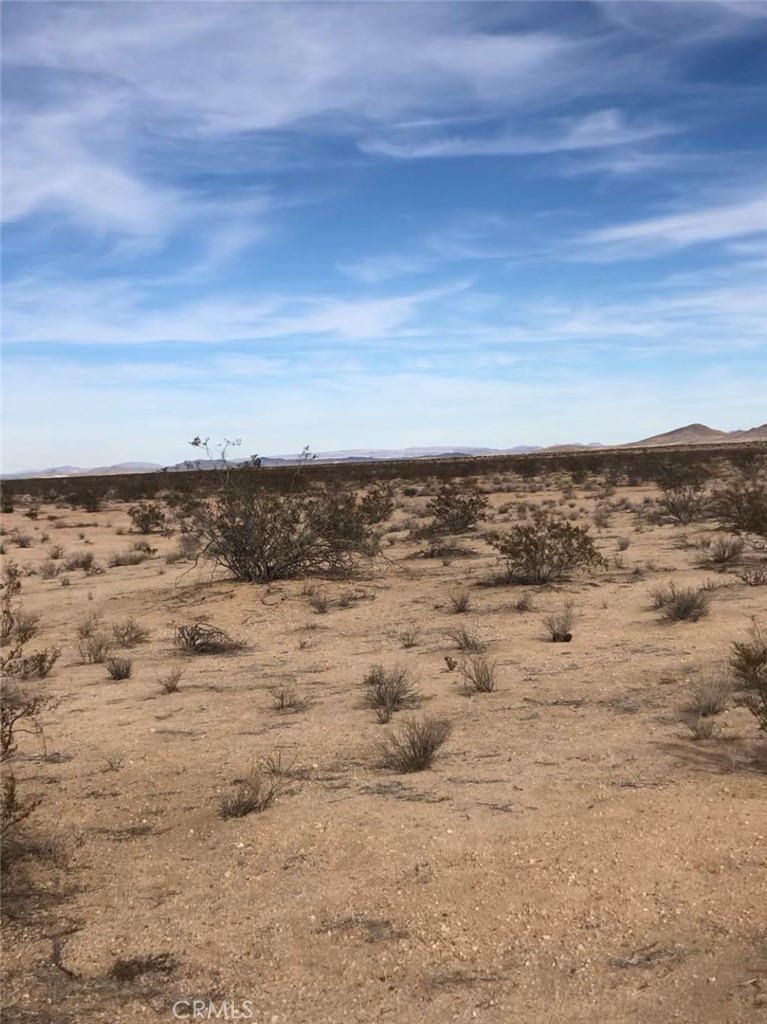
(379, 224)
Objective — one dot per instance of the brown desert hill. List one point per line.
(694, 433)
(754, 434)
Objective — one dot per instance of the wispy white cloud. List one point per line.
(678, 230)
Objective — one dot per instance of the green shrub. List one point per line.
(545, 549)
(455, 511)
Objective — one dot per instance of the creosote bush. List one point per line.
(545, 549)
(749, 659)
(455, 511)
(147, 518)
(680, 604)
(683, 503)
(741, 505)
(414, 746)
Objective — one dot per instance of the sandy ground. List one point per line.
(572, 856)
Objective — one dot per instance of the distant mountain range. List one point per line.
(694, 433)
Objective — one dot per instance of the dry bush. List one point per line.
(24, 627)
(414, 747)
(466, 641)
(21, 540)
(55, 552)
(129, 633)
(749, 659)
(742, 505)
(480, 674)
(725, 550)
(702, 728)
(525, 603)
(49, 570)
(147, 518)
(560, 624)
(170, 682)
(377, 505)
(285, 698)
(410, 637)
(754, 576)
(545, 550)
(683, 504)
(680, 604)
(460, 601)
(254, 794)
(387, 691)
(260, 535)
(624, 543)
(89, 625)
(119, 558)
(201, 638)
(455, 511)
(119, 668)
(319, 602)
(84, 560)
(94, 649)
(712, 693)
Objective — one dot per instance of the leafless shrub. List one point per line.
(285, 698)
(479, 674)
(49, 570)
(754, 576)
(725, 550)
(624, 543)
(410, 637)
(466, 641)
(84, 560)
(21, 540)
(387, 691)
(95, 648)
(460, 601)
(253, 795)
(119, 668)
(55, 552)
(119, 558)
(560, 624)
(525, 603)
(170, 682)
(201, 638)
(25, 627)
(320, 602)
(129, 633)
(712, 693)
(680, 604)
(89, 625)
(414, 747)
(702, 728)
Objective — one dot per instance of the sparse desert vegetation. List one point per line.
(498, 822)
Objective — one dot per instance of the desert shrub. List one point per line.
(201, 638)
(89, 625)
(6, 500)
(545, 549)
(682, 503)
(84, 560)
(466, 641)
(286, 698)
(254, 794)
(25, 626)
(410, 637)
(260, 535)
(742, 505)
(147, 518)
(560, 624)
(749, 659)
(170, 682)
(319, 602)
(524, 603)
(377, 505)
(119, 668)
(118, 558)
(94, 649)
(144, 547)
(386, 691)
(725, 550)
(701, 728)
(129, 633)
(55, 552)
(602, 517)
(680, 604)
(49, 570)
(711, 693)
(754, 576)
(414, 747)
(479, 674)
(21, 540)
(624, 543)
(756, 703)
(460, 601)
(455, 511)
